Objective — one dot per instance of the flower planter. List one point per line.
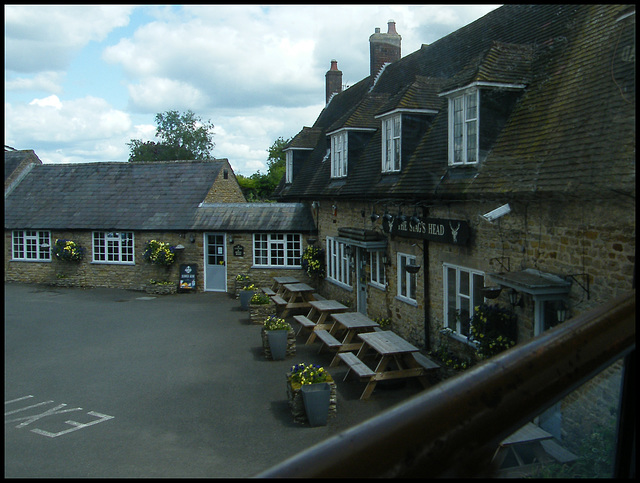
(316, 398)
(277, 343)
(296, 402)
(259, 312)
(245, 298)
(160, 289)
(291, 343)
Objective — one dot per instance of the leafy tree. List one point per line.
(182, 136)
(260, 187)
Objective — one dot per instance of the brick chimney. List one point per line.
(384, 48)
(334, 80)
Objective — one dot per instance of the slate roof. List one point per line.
(159, 196)
(571, 132)
(119, 196)
(254, 217)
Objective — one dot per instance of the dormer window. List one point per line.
(464, 111)
(391, 143)
(339, 154)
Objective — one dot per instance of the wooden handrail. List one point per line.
(452, 429)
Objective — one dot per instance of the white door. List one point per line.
(215, 262)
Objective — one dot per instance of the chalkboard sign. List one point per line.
(188, 278)
(238, 251)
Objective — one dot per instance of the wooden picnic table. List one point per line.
(390, 347)
(320, 310)
(527, 440)
(296, 296)
(351, 324)
(279, 282)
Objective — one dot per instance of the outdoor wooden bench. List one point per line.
(278, 300)
(304, 322)
(425, 362)
(268, 291)
(355, 365)
(329, 340)
(560, 454)
(317, 296)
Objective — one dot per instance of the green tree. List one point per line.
(260, 187)
(182, 136)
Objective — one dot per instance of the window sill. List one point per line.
(407, 301)
(339, 284)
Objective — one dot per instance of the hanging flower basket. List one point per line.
(313, 262)
(159, 253)
(67, 251)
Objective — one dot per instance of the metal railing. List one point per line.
(453, 429)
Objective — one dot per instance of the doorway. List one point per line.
(361, 280)
(215, 262)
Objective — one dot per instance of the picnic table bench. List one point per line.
(390, 347)
(316, 319)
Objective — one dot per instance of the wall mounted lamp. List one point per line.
(312, 240)
(374, 217)
(192, 239)
(513, 298)
(388, 217)
(562, 311)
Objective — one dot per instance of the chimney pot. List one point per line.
(333, 82)
(377, 30)
(391, 25)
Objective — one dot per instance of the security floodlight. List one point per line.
(497, 213)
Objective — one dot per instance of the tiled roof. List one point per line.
(254, 217)
(141, 196)
(570, 131)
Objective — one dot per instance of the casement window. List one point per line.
(113, 247)
(378, 273)
(338, 262)
(391, 143)
(282, 250)
(406, 281)
(288, 166)
(462, 288)
(339, 157)
(463, 127)
(31, 245)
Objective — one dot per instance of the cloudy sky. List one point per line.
(82, 81)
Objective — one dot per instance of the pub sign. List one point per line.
(453, 232)
(188, 277)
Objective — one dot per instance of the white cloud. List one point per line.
(48, 81)
(47, 36)
(160, 94)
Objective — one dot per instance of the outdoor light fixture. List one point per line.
(562, 311)
(388, 217)
(192, 239)
(415, 219)
(513, 298)
(402, 218)
(311, 240)
(497, 213)
(374, 217)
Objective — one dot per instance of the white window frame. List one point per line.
(338, 263)
(378, 272)
(277, 250)
(407, 282)
(466, 285)
(464, 130)
(113, 247)
(31, 245)
(392, 143)
(288, 166)
(339, 154)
